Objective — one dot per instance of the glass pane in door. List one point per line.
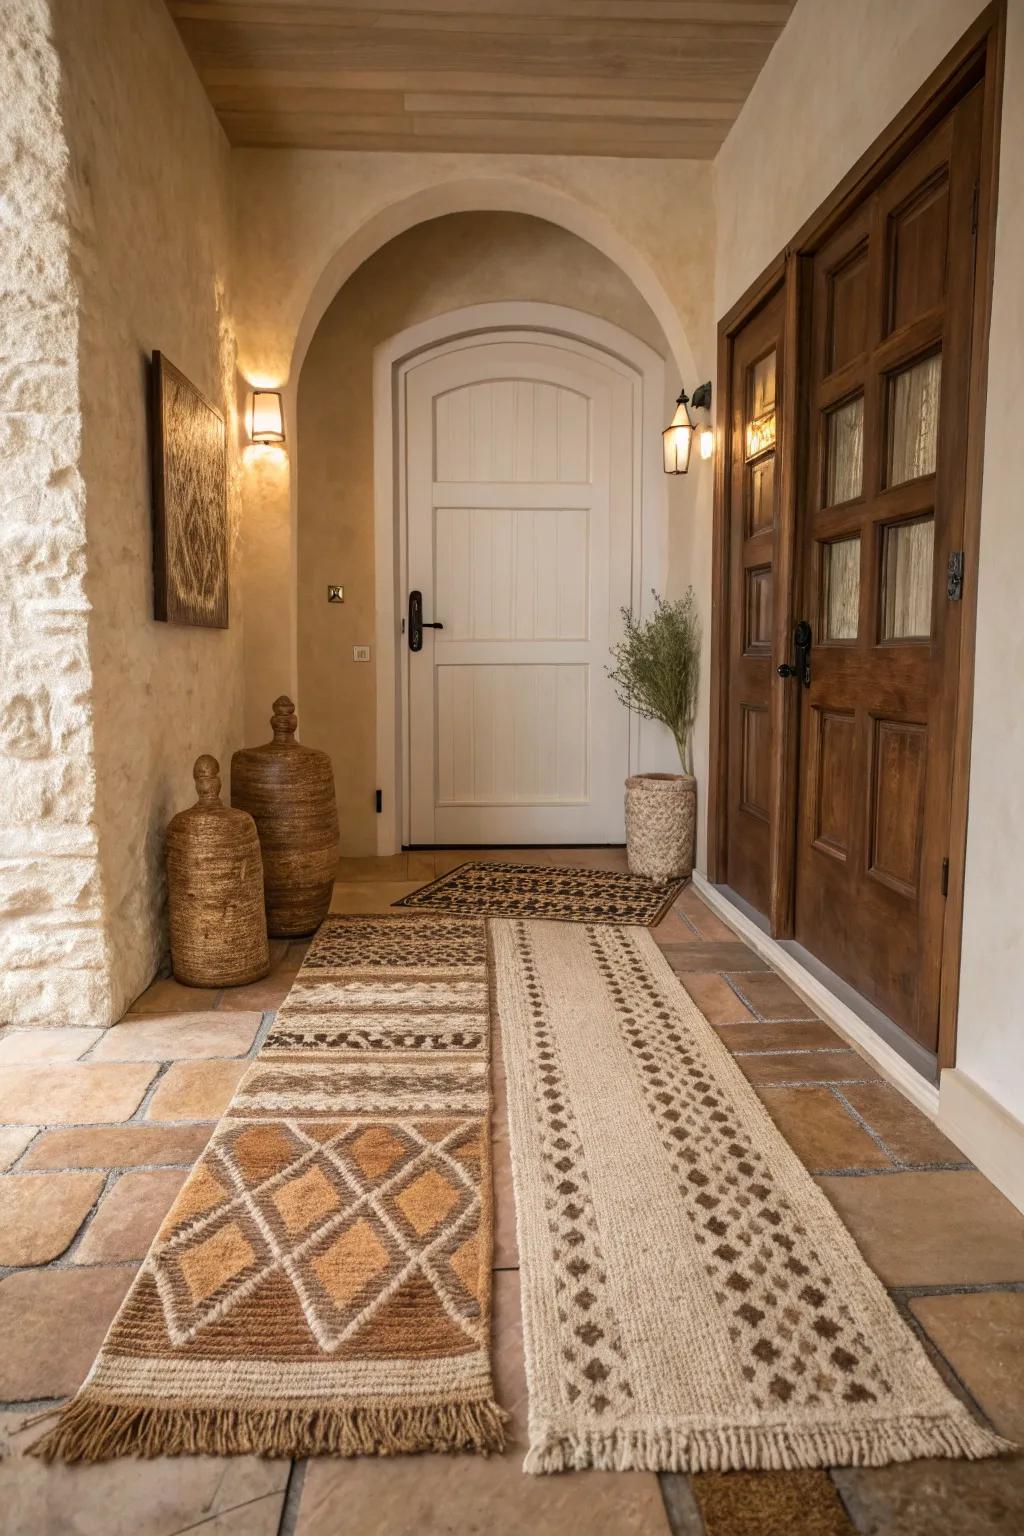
(914, 420)
(907, 556)
(845, 452)
(840, 606)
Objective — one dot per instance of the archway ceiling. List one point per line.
(650, 78)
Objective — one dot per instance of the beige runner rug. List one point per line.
(691, 1300)
(321, 1285)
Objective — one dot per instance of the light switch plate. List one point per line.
(360, 653)
(335, 594)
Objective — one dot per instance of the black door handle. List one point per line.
(801, 667)
(417, 623)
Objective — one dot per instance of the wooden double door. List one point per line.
(844, 517)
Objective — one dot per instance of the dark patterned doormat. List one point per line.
(567, 895)
(321, 1285)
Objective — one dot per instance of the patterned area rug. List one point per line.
(322, 1282)
(484, 889)
(691, 1300)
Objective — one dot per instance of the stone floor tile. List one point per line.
(13, 1141)
(684, 1515)
(816, 1066)
(820, 1131)
(420, 866)
(179, 1036)
(231, 1496)
(982, 1337)
(506, 1245)
(770, 997)
(278, 952)
(909, 1135)
(936, 1498)
(714, 997)
(41, 1212)
(169, 996)
(759, 1503)
(393, 866)
(613, 858)
(790, 1035)
(674, 928)
(932, 1228)
(119, 1146)
(195, 1090)
(298, 949)
(471, 1496)
(78, 1093)
(129, 1215)
(23, 1045)
(42, 1357)
(269, 993)
(707, 923)
(371, 896)
(714, 955)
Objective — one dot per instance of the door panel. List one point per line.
(889, 353)
(753, 508)
(519, 496)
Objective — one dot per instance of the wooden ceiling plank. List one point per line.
(454, 103)
(693, 86)
(706, 12)
(399, 143)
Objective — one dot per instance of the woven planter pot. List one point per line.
(215, 890)
(661, 821)
(288, 790)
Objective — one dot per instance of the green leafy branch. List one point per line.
(656, 667)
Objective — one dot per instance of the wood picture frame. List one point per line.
(190, 531)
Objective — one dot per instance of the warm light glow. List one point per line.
(760, 434)
(676, 440)
(707, 442)
(266, 417)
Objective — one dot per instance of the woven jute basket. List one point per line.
(661, 820)
(288, 790)
(215, 890)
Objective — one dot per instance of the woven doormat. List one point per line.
(321, 1285)
(566, 895)
(691, 1301)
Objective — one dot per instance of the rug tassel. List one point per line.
(92, 1430)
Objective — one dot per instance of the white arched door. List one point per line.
(520, 491)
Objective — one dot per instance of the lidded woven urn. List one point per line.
(215, 890)
(288, 790)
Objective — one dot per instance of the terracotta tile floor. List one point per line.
(97, 1129)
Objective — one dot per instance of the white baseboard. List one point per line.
(989, 1135)
(825, 1003)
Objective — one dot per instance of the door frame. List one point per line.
(571, 330)
(976, 59)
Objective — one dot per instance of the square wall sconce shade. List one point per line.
(266, 417)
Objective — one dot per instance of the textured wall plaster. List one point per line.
(305, 220)
(149, 197)
(434, 268)
(54, 955)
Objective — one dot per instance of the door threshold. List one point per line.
(910, 1068)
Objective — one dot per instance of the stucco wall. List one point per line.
(306, 220)
(149, 198)
(53, 948)
(436, 267)
(810, 117)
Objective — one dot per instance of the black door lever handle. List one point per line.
(802, 654)
(417, 623)
(427, 625)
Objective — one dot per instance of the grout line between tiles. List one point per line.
(292, 1498)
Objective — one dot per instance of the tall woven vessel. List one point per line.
(288, 790)
(215, 890)
(661, 820)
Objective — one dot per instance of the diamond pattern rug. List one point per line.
(691, 1300)
(482, 888)
(322, 1282)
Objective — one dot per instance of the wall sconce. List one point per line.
(677, 437)
(266, 417)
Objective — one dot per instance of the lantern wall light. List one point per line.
(677, 437)
(266, 417)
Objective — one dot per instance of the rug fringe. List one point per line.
(93, 1430)
(765, 1449)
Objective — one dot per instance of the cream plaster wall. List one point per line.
(306, 220)
(434, 268)
(149, 201)
(811, 115)
(53, 945)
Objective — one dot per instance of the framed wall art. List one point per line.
(190, 534)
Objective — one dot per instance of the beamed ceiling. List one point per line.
(563, 77)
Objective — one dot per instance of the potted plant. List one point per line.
(655, 672)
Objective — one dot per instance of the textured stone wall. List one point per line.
(54, 951)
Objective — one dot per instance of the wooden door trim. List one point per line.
(976, 58)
